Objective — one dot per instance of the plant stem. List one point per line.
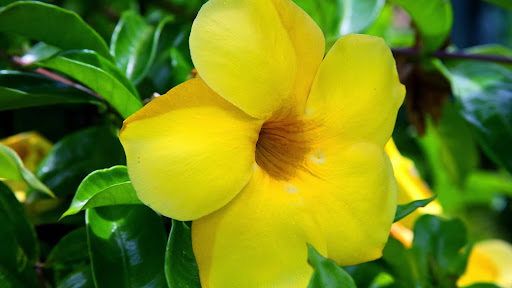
(443, 54)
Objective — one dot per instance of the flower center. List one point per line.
(282, 147)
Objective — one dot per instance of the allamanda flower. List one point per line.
(272, 146)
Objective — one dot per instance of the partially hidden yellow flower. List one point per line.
(273, 146)
(411, 186)
(490, 261)
(31, 147)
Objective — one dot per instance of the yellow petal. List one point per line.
(352, 192)
(411, 186)
(356, 91)
(489, 261)
(260, 55)
(258, 239)
(344, 208)
(189, 152)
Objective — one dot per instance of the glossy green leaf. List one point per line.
(71, 249)
(128, 242)
(503, 3)
(21, 90)
(79, 279)
(180, 262)
(77, 155)
(13, 215)
(327, 14)
(359, 14)
(484, 94)
(341, 17)
(11, 167)
(134, 45)
(327, 273)
(52, 25)
(19, 248)
(434, 19)
(104, 187)
(438, 246)
(39, 52)
(406, 209)
(92, 58)
(100, 79)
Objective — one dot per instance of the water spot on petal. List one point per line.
(317, 157)
(290, 188)
(308, 112)
(254, 166)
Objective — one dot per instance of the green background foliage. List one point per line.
(74, 70)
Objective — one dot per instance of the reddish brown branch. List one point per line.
(56, 77)
(443, 54)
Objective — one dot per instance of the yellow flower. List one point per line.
(490, 261)
(272, 146)
(31, 147)
(411, 186)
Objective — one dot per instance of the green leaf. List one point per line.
(127, 242)
(484, 94)
(79, 279)
(503, 3)
(77, 155)
(174, 50)
(134, 44)
(406, 209)
(327, 273)
(402, 263)
(327, 14)
(11, 167)
(180, 262)
(438, 244)
(434, 19)
(18, 245)
(39, 52)
(96, 60)
(482, 186)
(52, 25)
(341, 17)
(71, 249)
(358, 15)
(101, 77)
(13, 216)
(21, 90)
(104, 187)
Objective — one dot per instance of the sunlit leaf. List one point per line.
(104, 187)
(101, 78)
